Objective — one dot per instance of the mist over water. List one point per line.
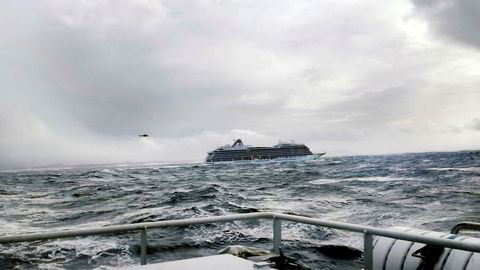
(428, 190)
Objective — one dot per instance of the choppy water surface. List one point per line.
(429, 190)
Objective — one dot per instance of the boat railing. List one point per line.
(368, 232)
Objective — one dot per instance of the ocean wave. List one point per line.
(325, 181)
(430, 190)
(465, 169)
(379, 179)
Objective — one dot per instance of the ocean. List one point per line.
(432, 191)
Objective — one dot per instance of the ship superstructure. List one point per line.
(239, 151)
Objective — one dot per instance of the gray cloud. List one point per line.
(476, 124)
(458, 19)
(79, 80)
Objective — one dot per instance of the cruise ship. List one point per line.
(239, 151)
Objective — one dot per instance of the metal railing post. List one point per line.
(143, 246)
(367, 250)
(277, 235)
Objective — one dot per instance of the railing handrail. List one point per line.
(129, 227)
(471, 226)
(368, 231)
(391, 233)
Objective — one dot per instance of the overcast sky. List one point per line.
(79, 80)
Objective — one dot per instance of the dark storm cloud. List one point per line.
(80, 79)
(457, 19)
(122, 77)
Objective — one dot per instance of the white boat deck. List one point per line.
(215, 262)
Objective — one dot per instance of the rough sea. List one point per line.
(430, 191)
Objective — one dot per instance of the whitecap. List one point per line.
(379, 179)
(464, 169)
(324, 181)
